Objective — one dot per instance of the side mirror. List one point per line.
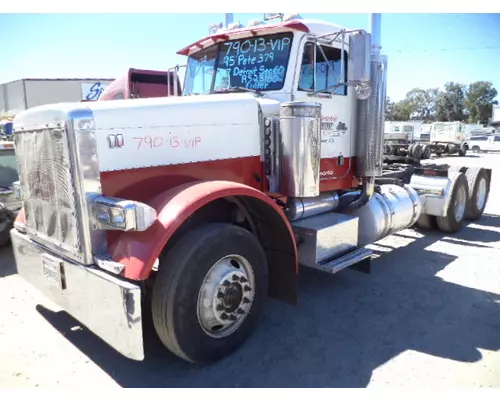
(359, 70)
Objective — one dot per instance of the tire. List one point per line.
(179, 284)
(452, 223)
(410, 150)
(7, 218)
(479, 190)
(426, 152)
(417, 151)
(475, 149)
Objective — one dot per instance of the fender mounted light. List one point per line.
(124, 215)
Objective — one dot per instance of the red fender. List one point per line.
(139, 250)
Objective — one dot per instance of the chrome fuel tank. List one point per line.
(393, 209)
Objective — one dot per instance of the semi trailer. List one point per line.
(202, 205)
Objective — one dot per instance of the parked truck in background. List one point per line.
(202, 205)
(495, 116)
(139, 84)
(448, 138)
(444, 138)
(401, 140)
(9, 204)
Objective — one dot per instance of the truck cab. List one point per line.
(206, 203)
(299, 60)
(449, 136)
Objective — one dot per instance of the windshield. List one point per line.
(257, 63)
(8, 168)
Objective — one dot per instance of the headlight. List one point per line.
(125, 215)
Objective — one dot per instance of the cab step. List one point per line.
(359, 259)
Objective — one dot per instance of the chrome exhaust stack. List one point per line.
(371, 118)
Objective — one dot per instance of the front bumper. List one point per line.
(107, 305)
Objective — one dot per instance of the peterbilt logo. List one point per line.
(40, 185)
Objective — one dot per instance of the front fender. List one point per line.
(138, 251)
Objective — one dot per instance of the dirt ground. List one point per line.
(428, 315)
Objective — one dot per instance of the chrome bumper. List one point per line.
(107, 305)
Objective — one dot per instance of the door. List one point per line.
(488, 143)
(322, 69)
(495, 143)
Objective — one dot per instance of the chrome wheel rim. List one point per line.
(226, 296)
(481, 194)
(460, 203)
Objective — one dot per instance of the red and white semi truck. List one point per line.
(207, 203)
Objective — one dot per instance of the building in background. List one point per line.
(26, 93)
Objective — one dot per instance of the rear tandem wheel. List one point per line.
(456, 210)
(479, 189)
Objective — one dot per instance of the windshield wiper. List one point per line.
(235, 89)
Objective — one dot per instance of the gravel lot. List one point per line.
(428, 315)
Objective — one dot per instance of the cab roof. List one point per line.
(312, 26)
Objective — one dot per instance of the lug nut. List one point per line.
(246, 288)
(246, 300)
(243, 279)
(220, 295)
(224, 316)
(219, 308)
(236, 278)
(240, 311)
(226, 283)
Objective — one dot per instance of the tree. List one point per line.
(401, 111)
(479, 101)
(450, 104)
(423, 103)
(398, 111)
(388, 109)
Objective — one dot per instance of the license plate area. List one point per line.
(53, 271)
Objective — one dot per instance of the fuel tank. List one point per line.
(390, 210)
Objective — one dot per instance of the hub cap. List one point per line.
(460, 203)
(225, 296)
(481, 194)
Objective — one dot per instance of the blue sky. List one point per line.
(105, 45)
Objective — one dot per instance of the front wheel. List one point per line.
(210, 292)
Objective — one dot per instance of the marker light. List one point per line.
(254, 22)
(290, 17)
(234, 25)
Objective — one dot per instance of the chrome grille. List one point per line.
(47, 186)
